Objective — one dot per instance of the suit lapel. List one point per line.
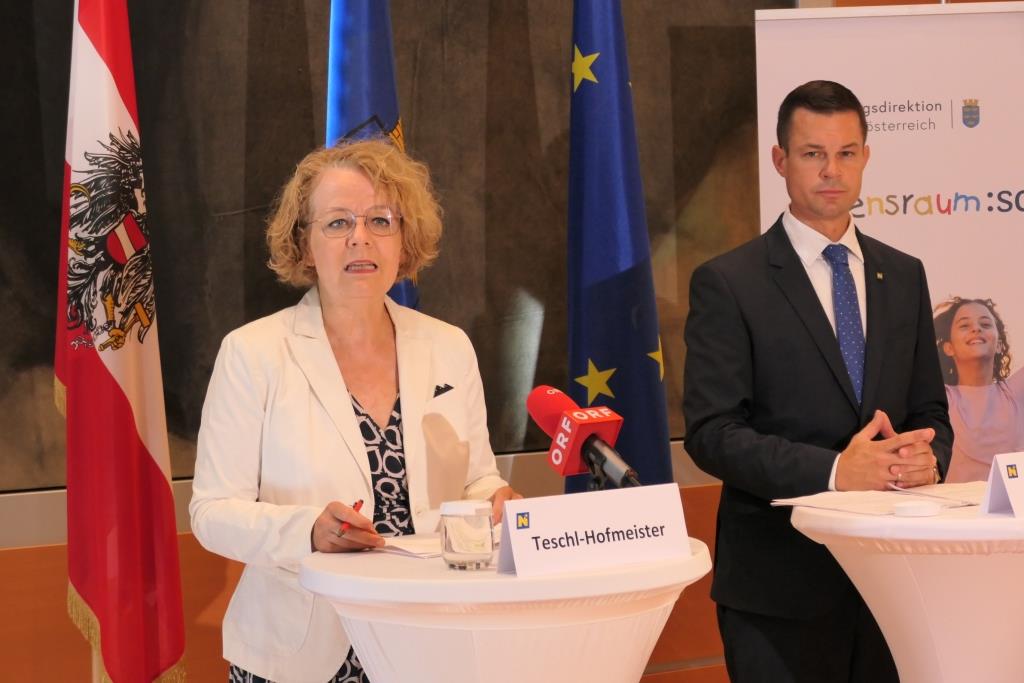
(312, 352)
(874, 288)
(415, 389)
(791, 277)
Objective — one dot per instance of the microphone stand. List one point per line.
(596, 458)
(597, 479)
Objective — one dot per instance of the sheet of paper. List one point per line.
(882, 502)
(967, 493)
(424, 546)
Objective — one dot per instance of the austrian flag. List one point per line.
(124, 584)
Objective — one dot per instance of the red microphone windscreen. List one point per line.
(546, 404)
(569, 427)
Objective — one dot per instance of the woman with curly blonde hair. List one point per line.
(986, 399)
(345, 399)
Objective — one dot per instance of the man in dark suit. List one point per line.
(810, 366)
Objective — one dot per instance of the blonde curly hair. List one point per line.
(403, 180)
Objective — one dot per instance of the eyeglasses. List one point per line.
(341, 223)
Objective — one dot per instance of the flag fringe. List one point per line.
(83, 617)
(397, 136)
(60, 396)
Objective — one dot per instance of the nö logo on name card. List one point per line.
(522, 520)
(1011, 471)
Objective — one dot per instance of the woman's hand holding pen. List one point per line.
(340, 528)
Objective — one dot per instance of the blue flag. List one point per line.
(615, 353)
(362, 101)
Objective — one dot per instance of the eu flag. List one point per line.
(362, 101)
(615, 353)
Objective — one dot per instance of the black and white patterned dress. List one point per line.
(391, 512)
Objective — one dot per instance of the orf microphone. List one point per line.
(580, 437)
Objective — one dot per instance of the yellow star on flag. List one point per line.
(596, 382)
(581, 67)
(660, 358)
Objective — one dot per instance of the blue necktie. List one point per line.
(849, 331)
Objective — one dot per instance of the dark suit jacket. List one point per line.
(768, 405)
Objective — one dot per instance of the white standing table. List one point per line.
(414, 619)
(947, 591)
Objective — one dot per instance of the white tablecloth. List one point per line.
(946, 590)
(416, 620)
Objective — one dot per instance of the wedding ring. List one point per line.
(339, 532)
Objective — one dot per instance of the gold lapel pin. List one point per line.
(879, 275)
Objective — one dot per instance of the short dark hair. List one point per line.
(822, 97)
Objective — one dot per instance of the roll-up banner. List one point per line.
(941, 91)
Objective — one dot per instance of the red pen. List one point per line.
(357, 506)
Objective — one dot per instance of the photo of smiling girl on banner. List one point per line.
(986, 396)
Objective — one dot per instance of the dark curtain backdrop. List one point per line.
(231, 96)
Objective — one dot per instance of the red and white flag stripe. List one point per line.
(124, 588)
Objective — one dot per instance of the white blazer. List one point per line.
(279, 440)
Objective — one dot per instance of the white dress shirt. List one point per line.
(809, 245)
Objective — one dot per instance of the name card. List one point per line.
(592, 530)
(1004, 493)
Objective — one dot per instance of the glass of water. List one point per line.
(466, 540)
